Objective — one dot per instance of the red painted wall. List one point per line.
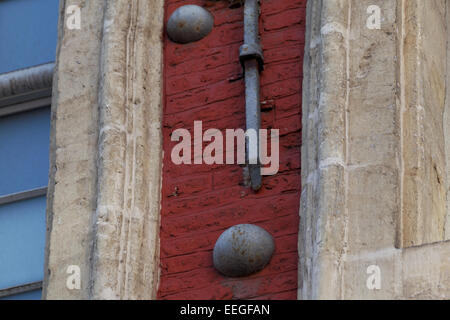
(203, 81)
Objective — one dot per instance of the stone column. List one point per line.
(373, 108)
(106, 152)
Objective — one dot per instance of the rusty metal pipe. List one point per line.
(253, 63)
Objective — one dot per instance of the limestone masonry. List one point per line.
(360, 205)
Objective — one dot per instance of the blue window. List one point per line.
(28, 35)
(24, 151)
(24, 146)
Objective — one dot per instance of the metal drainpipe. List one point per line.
(251, 57)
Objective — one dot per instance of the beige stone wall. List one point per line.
(446, 125)
(362, 201)
(103, 208)
(73, 171)
(424, 184)
(375, 154)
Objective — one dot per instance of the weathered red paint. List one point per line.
(203, 81)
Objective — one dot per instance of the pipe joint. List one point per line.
(251, 51)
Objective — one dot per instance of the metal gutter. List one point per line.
(26, 89)
(20, 289)
(25, 195)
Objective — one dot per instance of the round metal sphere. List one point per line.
(189, 23)
(243, 250)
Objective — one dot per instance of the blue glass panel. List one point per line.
(22, 242)
(28, 33)
(32, 295)
(24, 145)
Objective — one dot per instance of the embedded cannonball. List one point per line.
(243, 250)
(189, 23)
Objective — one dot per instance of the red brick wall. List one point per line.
(203, 81)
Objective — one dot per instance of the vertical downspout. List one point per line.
(251, 57)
